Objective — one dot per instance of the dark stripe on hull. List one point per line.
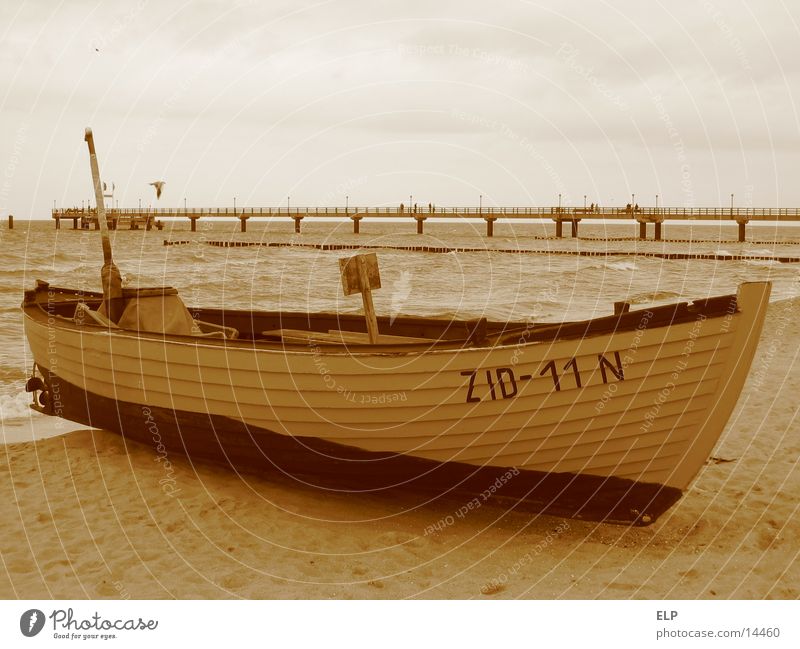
(323, 466)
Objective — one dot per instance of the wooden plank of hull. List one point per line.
(320, 466)
(286, 392)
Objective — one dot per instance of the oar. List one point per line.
(109, 274)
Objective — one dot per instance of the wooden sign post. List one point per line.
(360, 274)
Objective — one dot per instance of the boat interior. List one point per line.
(160, 310)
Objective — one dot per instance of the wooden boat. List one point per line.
(609, 418)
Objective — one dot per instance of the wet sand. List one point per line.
(88, 515)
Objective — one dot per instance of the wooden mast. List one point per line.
(109, 274)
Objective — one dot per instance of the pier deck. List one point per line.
(146, 218)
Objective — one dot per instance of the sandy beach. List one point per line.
(89, 515)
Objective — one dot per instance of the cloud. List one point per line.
(558, 95)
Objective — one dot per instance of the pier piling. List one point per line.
(356, 222)
(742, 227)
(10, 221)
(192, 219)
(420, 220)
(243, 222)
(559, 229)
(658, 231)
(643, 230)
(574, 224)
(490, 226)
(297, 220)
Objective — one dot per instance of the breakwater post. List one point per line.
(10, 221)
(516, 251)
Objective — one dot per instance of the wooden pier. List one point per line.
(130, 219)
(146, 218)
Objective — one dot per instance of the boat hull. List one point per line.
(321, 467)
(632, 408)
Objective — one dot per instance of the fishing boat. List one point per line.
(606, 419)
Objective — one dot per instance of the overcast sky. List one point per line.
(517, 101)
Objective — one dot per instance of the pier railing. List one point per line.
(756, 213)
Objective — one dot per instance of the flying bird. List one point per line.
(158, 184)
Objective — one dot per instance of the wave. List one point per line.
(625, 265)
(8, 273)
(15, 406)
(654, 296)
(763, 263)
(615, 263)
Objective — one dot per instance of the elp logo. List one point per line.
(31, 622)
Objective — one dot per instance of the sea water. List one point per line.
(538, 285)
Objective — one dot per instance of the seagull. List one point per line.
(158, 184)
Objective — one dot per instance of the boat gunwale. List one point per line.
(518, 335)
